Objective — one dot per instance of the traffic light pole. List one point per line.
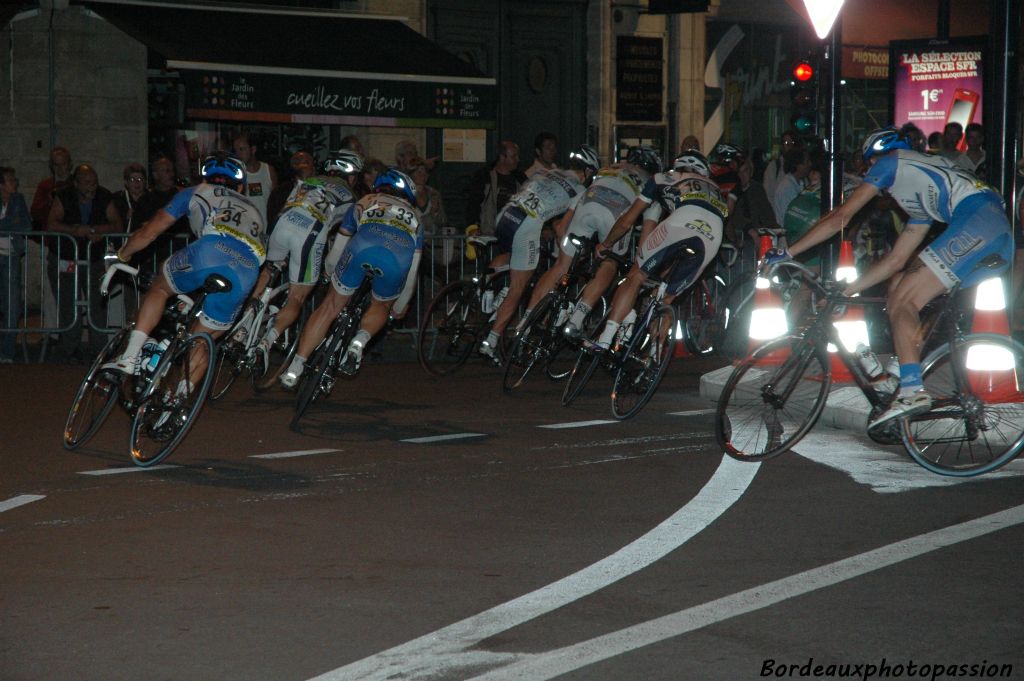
(832, 185)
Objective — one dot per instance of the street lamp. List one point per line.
(823, 14)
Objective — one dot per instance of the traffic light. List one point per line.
(804, 98)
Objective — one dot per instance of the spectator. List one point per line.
(260, 177)
(406, 151)
(84, 210)
(934, 142)
(491, 187)
(160, 194)
(428, 199)
(302, 166)
(951, 136)
(975, 153)
(796, 165)
(690, 143)
(372, 167)
(915, 136)
(545, 148)
(126, 200)
(752, 211)
(60, 177)
(14, 217)
(773, 171)
(352, 143)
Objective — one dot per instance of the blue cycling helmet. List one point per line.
(400, 184)
(344, 162)
(882, 141)
(645, 157)
(221, 164)
(692, 161)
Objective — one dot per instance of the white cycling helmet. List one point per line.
(586, 155)
(692, 162)
(344, 162)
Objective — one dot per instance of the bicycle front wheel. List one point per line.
(769, 403)
(170, 404)
(96, 396)
(450, 329)
(644, 364)
(230, 361)
(976, 423)
(282, 350)
(318, 377)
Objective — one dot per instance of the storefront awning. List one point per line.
(279, 65)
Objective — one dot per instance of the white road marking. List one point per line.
(548, 665)
(132, 469)
(695, 412)
(628, 441)
(578, 424)
(884, 469)
(292, 455)
(449, 650)
(20, 500)
(442, 438)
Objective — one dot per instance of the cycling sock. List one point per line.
(297, 365)
(610, 327)
(136, 339)
(579, 314)
(270, 337)
(361, 338)
(492, 339)
(910, 378)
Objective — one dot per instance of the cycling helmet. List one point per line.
(645, 157)
(586, 155)
(343, 162)
(224, 167)
(724, 153)
(692, 162)
(400, 184)
(882, 141)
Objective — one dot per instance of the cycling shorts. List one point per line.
(186, 270)
(519, 234)
(590, 218)
(384, 253)
(303, 239)
(979, 228)
(687, 241)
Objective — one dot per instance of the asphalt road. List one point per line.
(597, 551)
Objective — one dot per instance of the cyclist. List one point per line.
(230, 242)
(315, 208)
(682, 232)
(382, 235)
(928, 188)
(548, 194)
(612, 192)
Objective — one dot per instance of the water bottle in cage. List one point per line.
(869, 361)
(156, 351)
(487, 301)
(625, 331)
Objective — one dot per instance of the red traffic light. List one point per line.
(803, 71)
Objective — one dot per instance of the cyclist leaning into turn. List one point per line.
(547, 194)
(928, 188)
(383, 235)
(231, 236)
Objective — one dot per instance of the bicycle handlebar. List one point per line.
(111, 271)
(833, 290)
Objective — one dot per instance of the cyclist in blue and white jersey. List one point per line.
(928, 188)
(383, 236)
(230, 242)
(547, 195)
(683, 215)
(612, 192)
(314, 210)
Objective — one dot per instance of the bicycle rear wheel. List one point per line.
(734, 335)
(230, 362)
(976, 423)
(531, 344)
(703, 316)
(96, 395)
(563, 358)
(319, 375)
(766, 408)
(645, 363)
(170, 404)
(451, 329)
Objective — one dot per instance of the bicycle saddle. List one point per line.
(216, 284)
(991, 262)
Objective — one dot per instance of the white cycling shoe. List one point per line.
(128, 366)
(904, 406)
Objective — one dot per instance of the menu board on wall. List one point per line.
(935, 82)
(638, 79)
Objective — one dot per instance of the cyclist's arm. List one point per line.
(563, 224)
(894, 261)
(145, 235)
(625, 222)
(834, 222)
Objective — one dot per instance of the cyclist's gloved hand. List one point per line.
(773, 256)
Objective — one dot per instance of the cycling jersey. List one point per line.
(231, 234)
(387, 232)
(547, 194)
(313, 209)
(613, 191)
(932, 188)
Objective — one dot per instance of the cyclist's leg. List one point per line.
(518, 279)
(519, 240)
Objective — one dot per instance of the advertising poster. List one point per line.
(935, 82)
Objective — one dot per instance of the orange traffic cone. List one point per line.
(680, 347)
(853, 330)
(990, 369)
(767, 319)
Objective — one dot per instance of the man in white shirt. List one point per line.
(260, 177)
